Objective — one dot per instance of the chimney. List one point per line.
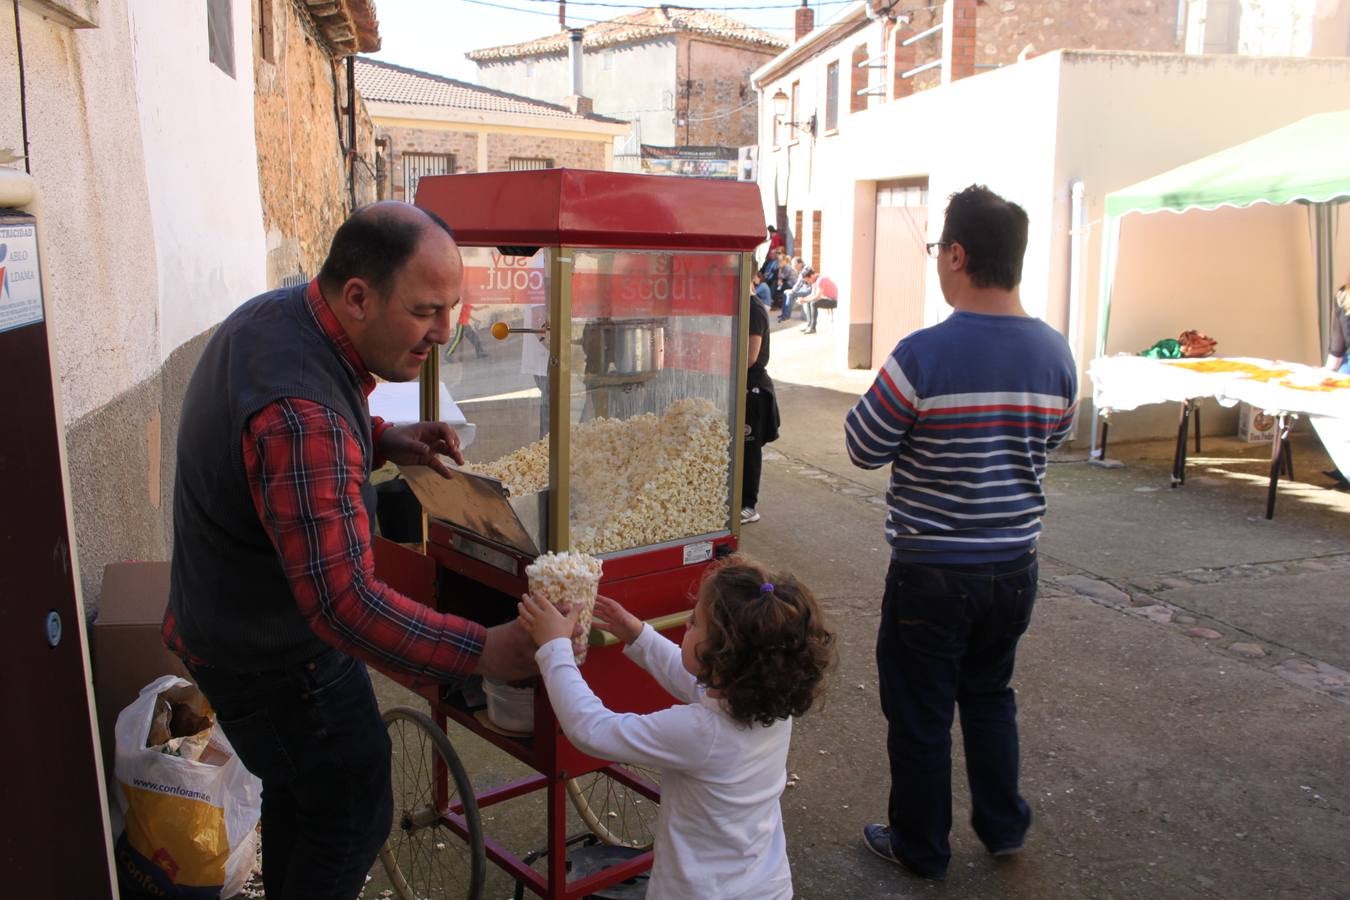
(804, 22)
(574, 60)
(958, 39)
(577, 102)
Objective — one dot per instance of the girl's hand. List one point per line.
(543, 620)
(618, 621)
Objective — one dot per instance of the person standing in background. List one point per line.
(965, 413)
(761, 412)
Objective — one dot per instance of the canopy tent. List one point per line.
(1302, 162)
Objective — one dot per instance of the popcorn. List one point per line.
(568, 581)
(637, 481)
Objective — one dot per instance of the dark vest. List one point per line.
(232, 605)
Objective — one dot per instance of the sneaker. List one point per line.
(749, 515)
(808, 331)
(1011, 850)
(877, 838)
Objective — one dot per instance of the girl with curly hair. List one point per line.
(753, 657)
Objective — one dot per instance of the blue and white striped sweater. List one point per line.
(965, 413)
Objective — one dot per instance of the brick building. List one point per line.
(432, 125)
(682, 76)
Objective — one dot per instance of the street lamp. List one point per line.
(780, 111)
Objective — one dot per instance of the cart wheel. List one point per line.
(423, 858)
(617, 814)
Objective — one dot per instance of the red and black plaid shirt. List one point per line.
(305, 471)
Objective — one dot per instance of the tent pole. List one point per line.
(1106, 280)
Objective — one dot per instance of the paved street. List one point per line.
(1185, 703)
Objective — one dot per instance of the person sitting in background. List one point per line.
(760, 290)
(799, 290)
(824, 295)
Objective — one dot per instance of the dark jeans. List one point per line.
(948, 638)
(751, 471)
(313, 734)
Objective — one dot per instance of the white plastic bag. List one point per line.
(189, 827)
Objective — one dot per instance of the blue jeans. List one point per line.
(948, 638)
(313, 734)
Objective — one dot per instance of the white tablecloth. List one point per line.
(1121, 383)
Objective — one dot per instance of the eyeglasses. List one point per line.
(935, 248)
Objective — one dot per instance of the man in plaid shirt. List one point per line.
(274, 603)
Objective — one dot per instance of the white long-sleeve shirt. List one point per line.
(719, 829)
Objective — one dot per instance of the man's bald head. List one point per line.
(375, 242)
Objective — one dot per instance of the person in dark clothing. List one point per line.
(761, 411)
(274, 605)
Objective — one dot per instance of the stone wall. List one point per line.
(714, 96)
(463, 145)
(302, 137)
(572, 154)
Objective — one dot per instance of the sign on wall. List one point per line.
(20, 278)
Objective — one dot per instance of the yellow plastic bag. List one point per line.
(189, 807)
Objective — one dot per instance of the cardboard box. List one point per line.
(125, 642)
(1254, 426)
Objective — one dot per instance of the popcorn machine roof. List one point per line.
(582, 208)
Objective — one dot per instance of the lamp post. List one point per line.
(780, 111)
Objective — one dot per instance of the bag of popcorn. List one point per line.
(568, 581)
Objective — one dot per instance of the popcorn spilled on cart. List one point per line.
(569, 581)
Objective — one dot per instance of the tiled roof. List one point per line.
(655, 21)
(349, 25)
(388, 83)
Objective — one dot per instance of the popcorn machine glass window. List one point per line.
(650, 450)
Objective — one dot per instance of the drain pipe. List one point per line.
(1077, 238)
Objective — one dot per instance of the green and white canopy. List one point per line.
(1308, 160)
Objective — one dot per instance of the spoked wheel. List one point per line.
(617, 814)
(423, 858)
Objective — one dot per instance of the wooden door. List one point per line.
(54, 843)
(901, 266)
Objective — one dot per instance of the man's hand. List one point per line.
(543, 620)
(419, 444)
(618, 621)
(508, 653)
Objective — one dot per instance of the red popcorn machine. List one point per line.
(597, 375)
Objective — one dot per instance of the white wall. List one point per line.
(85, 150)
(638, 85)
(198, 129)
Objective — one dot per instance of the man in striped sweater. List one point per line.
(964, 413)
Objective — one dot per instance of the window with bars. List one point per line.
(832, 96)
(416, 165)
(525, 163)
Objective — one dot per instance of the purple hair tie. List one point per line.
(766, 588)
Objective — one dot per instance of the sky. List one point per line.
(434, 35)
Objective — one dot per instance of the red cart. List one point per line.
(607, 419)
